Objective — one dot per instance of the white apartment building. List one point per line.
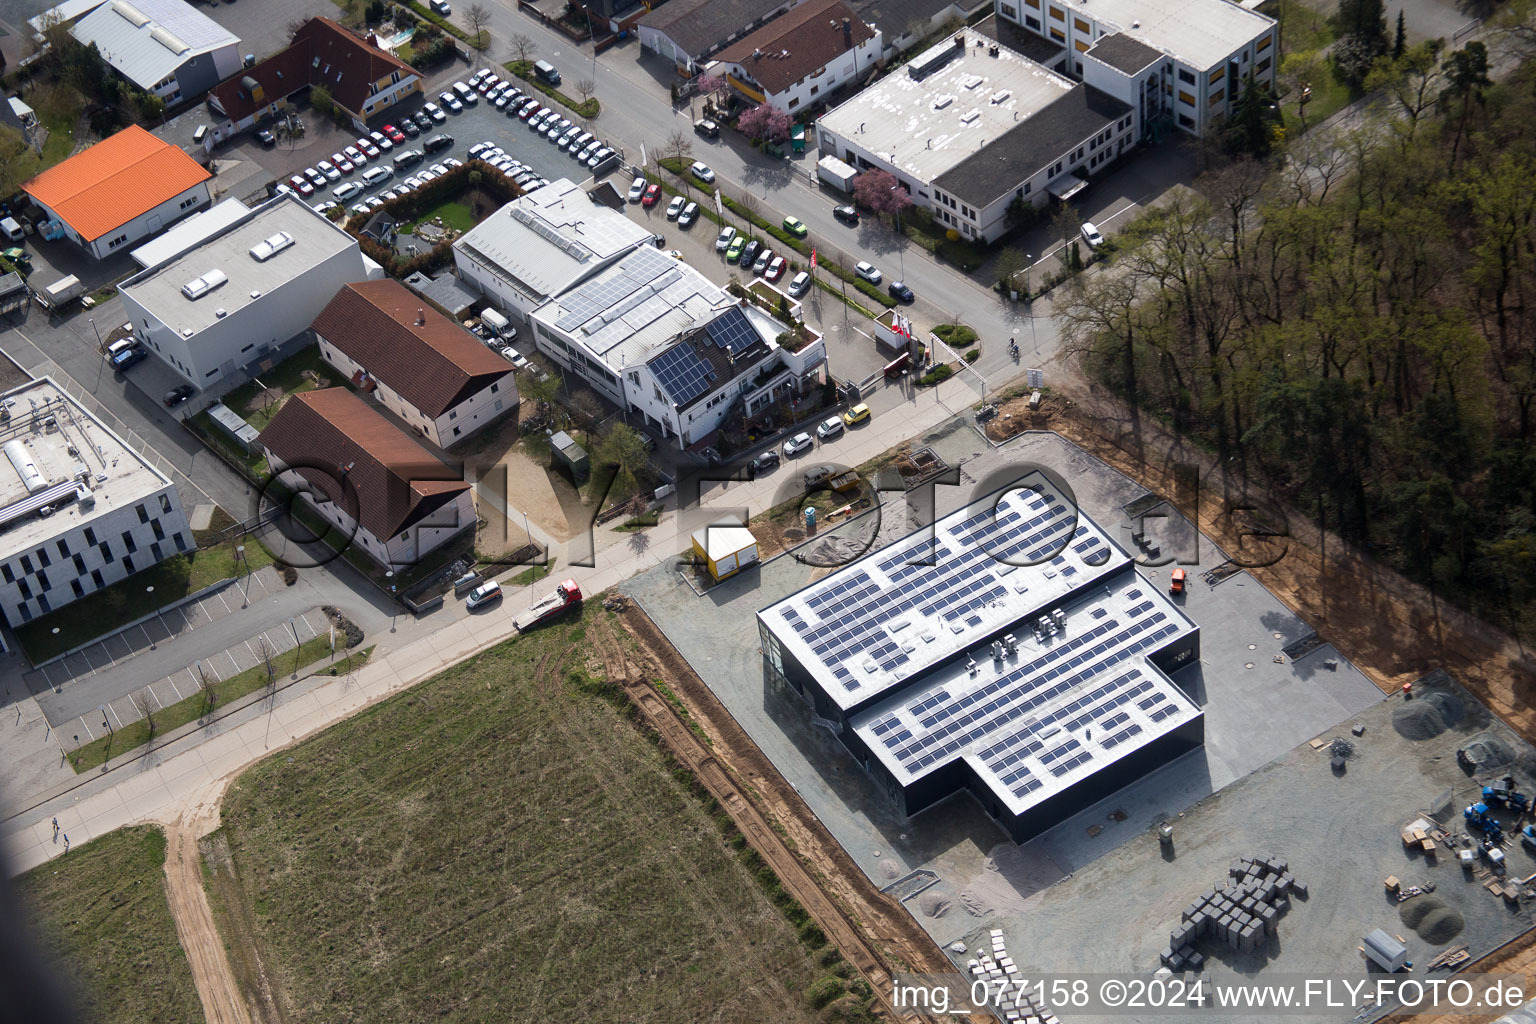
(240, 293)
(79, 509)
(800, 56)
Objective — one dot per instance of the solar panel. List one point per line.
(682, 373)
(732, 331)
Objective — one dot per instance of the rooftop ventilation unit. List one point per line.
(970, 116)
(943, 101)
(269, 247)
(168, 40)
(130, 12)
(221, 313)
(26, 468)
(970, 81)
(1001, 96)
(200, 286)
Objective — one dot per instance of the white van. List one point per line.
(498, 323)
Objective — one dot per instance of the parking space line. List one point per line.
(174, 690)
(44, 671)
(103, 646)
(312, 632)
(220, 596)
(261, 583)
(88, 661)
(158, 702)
(146, 635)
(89, 736)
(232, 660)
(116, 715)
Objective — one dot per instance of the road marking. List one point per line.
(261, 583)
(44, 671)
(174, 690)
(89, 736)
(158, 703)
(225, 603)
(145, 631)
(108, 653)
(88, 661)
(254, 655)
(116, 715)
(228, 653)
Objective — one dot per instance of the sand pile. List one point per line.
(1415, 910)
(933, 904)
(890, 869)
(1441, 926)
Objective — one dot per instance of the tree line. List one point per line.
(1354, 324)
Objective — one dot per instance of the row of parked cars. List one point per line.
(826, 430)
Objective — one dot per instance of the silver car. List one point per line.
(799, 443)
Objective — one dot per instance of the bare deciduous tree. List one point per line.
(205, 687)
(144, 704)
(585, 88)
(521, 48)
(679, 145)
(479, 18)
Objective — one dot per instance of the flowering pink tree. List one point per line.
(709, 86)
(764, 123)
(879, 191)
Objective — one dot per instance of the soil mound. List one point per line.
(1441, 926)
(1415, 910)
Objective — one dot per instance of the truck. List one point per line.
(836, 173)
(566, 596)
(61, 292)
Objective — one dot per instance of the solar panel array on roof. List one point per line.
(732, 331)
(642, 275)
(682, 373)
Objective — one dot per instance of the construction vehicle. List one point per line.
(1528, 838)
(1176, 582)
(1477, 816)
(566, 596)
(1503, 791)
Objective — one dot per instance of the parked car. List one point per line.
(868, 271)
(394, 134)
(437, 142)
(423, 120)
(899, 290)
(1091, 235)
(409, 158)
(708, 129)
(603, 154)
(127, 357)
(801, 442)
(434, 111)
(829, 428)
(373, 177)
(439, 168)
(409, 127)
(749, 252)
(315, 177)
(485, 593)
(178, 394)
(347, 190)
(326, 207)
(355, 155)
(776, 267)
(857, 414)
(330, 170)
(450, 101)
(369, 147)
(795, 226)
(301, 185)
(724, 239)
(266, 138)
(636, 190)
(765, 461)
(702, 172)
(652, 194)
(688, 216)
(449, 163)
(381, 141)
(799, 284)
(733, 252)
(760, 265)
(847, 214)
(359, 208)
(675, 207)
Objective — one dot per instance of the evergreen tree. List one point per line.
(1400, 42)
(1254, 116)
(1362, 27)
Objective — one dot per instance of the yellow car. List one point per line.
(858, 414)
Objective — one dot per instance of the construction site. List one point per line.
(1230, 855)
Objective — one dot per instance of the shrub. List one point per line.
(973, 355)
(823, 990)
(955, 335)
(939, 373)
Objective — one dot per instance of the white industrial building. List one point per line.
(653, 335)
(543, 243)
(167, 48)
(79, 508)
(1208, 48)
(969, 126)
(240, 293)
(417, 363)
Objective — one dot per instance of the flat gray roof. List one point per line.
(552, 237)
(1202, 33)
(888, 617)
(629, 311)
(146, 40)
(189, 233)
(114, 473)
(928, 124)
(315, 240)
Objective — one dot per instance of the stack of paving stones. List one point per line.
(1016, 1001)
(1241, 914)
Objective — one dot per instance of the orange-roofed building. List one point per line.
(121, 190)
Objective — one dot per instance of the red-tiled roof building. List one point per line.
(798, 58)
(377, 487)
(419, 364)
(362, 78)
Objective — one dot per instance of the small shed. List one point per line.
(572, 454)
(726, 546)
(1385, 951)
(13, 293)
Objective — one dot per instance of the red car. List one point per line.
(395, 134)
(775, 268)
(652, 194)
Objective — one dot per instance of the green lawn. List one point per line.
(1302, 27)
(58, 107)
(502, 844)
(105, 929)
(1329, 96)
(190, 709)
(288, 377)
(530, 575)
(126, 600)
(454, 214)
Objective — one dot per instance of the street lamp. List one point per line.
(107, 726)
(592, 38)
(394, 605)
(150, 591)
(296, 645)
(245, 598)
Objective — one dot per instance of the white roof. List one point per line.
(147, 40)
(67, 11)
(1202, 33)
(722, 538)
(926, 125)
(160, 289)
(78, 444)
(633, 309)
(190, 232)
(551, 238)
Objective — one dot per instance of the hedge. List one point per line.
(524, 69)
(448, 26)
(406, 207)
(942, 372)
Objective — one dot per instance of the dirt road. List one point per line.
(216, 987)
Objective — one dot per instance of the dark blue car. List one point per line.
(127, 357)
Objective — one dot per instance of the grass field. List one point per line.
(102, 918)
(501, 844)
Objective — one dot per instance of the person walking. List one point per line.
(55, 829)
(66, 842)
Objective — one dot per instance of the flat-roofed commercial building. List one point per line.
(969, 126)
(240, 293)
(1012, 651)
(79, 508)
